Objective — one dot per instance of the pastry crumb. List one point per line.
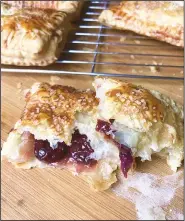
(134, 71)
(19, 91)
(137, 42)
(122, 39)
(25, 92)
(19, 85)
(54, 79)
(155, 63)
(154, 69)
(132, 56)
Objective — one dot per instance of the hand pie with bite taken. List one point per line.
(95, 134)
(162, 20)
(144, 120)
(32, 37)
(58, 129)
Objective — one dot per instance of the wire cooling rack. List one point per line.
(94, 49)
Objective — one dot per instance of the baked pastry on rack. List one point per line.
(93, 136)
(73, 8)
(162, 20)
(32, 37)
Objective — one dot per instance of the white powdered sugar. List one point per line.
(175, 215)
(179, 3)
(151, 194)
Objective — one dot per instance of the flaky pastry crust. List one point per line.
(70, 7)
(143, 120)
(157, 19)
(153, 120)
(33, 36)
(55, 107)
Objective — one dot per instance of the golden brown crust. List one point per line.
(129, 103)
(135, 99)
(57, 106)
(160, 20)
(69, 7)
(146, 120)
(45, 29)
(53, 112)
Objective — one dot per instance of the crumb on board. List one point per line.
(19, 90)
(25, 91)
(122, 39)
(132, 56)
(134, 71)
(155, 63)
(19, 85)
(137, 42)
(154, 69)
(54, 80)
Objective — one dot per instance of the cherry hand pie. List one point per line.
(72, 8)
(32, 36)
(157, 19)
(95, 134)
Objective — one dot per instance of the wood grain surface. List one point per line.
(54, 194)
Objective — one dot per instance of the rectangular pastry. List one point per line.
(95, 134)
(32, 36)
(72, 8)
(162, 20)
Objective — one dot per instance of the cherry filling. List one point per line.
(125, 152)
(45, 153)
(105, 128)
(79, 151)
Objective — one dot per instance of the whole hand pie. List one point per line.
(33, 36)
(162, 20)
(95, 134)
(72, 8)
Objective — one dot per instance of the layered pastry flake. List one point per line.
(162, 20)
(145, 121)
(32, 36)
(58, 129)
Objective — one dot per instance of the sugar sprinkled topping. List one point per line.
(151, 194)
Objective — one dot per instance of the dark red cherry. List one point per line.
(126, 159)
(80, 149)
(125, 152)
(104, 127)
(45, 153)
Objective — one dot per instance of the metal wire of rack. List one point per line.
(94, 49)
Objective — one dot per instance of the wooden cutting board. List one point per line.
(51, 194)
